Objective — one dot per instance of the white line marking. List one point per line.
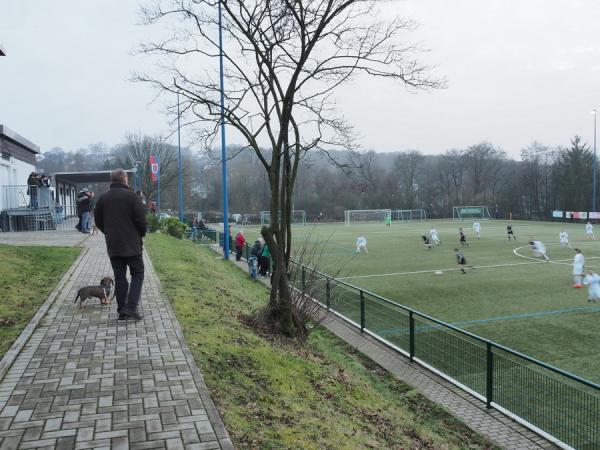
(535, 261)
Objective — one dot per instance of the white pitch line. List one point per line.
(438, 270)
(535, 261)
(554, 261)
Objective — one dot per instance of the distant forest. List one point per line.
(545, 178)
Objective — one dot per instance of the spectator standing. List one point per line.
(33, 186)
(240, 241)
(121, 217)
(85, 206)
(265, 261)
(254, 258)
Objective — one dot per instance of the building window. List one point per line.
(6, 156)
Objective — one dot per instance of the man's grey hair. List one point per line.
(118, 175)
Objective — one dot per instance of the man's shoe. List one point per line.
(123, 316)
(133, 315)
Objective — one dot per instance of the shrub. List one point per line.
(173, 227)
(153, 223)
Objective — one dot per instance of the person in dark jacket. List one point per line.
(84, 205)
(121, 217)
(34, 183)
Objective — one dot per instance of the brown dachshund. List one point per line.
(102, 292)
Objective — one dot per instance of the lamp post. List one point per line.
(223, 149)
(594, 164)
(179, 159)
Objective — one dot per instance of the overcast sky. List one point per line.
(517, 71)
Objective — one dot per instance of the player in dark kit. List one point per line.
(426, 242)
(460, 260)
(463, 238)
(509, 232)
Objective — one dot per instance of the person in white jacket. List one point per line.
(578, 263)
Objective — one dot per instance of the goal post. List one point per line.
(401, 215)
(298, 217)
(367, 215)
(470, 212)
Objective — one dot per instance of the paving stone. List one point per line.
(85, 380)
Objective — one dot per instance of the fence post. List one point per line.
(328, 292)
(362, 310)
(489, 384)
(303, 278)
(411, 341)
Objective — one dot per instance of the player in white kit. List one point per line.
(592, 281)
(361, 243)
(434, 236)
(564, 238)
(589, 230)
(477, 228)
(539, 249)
(578, 263)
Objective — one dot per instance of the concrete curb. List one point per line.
(11, 355)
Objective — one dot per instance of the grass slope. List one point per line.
(27, 276)
(274, 394)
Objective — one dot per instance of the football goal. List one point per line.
(366, 215)
(401, 215)
(470, 212)
(298, 217)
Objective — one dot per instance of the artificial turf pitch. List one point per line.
(510, 296)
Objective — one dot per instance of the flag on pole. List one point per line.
(154, 168)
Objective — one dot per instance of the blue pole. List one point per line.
(223, 149)
(179, 161)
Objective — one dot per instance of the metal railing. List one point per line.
(558, 405)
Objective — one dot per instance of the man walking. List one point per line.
(121, 217)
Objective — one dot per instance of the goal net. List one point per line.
(401, 215)
(298, 217)
(367, 215)
(470, 212)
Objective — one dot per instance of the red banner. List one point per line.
(154, 169)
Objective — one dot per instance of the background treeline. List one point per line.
(545, 178)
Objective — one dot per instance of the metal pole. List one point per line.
(179, 159)
(223, 149)
(594, 169)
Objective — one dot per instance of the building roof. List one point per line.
(2, 51)
(18, 139)
(100, 176)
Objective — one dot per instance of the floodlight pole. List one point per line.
(594, 168)
(179, 158)
(223, 149)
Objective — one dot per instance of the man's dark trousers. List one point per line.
(128, 296)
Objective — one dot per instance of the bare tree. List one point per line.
(284, 59)
(136, 152)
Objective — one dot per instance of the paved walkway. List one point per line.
(85, 380)
(491, 423)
